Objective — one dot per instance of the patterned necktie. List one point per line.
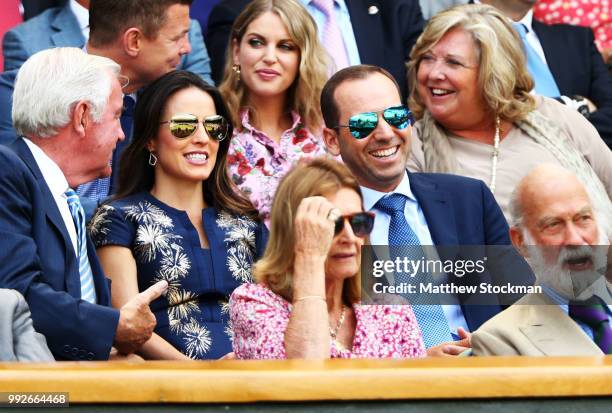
(545, 84)
(332, 36)
(593, 313)
(88, 290)
(431, 318)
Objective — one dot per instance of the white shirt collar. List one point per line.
(371, 196)
(51, 172)
(81, 14)
(527, 20)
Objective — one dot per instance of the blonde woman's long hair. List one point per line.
(304, 94)
(503, 79)
(321, 176)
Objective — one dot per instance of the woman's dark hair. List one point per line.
(136, 175)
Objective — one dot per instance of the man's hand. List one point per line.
(452, 348)
(136, 321)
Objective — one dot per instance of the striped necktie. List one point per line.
(332, 36)
(593, 313)
(88, 290)
(545, 84)
(431, 318)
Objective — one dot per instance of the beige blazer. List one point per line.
(533, 326)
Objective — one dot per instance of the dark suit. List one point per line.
(383, 39)
(579, 69)
(39, 261)
(463, 211)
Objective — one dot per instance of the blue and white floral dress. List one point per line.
(193, 315)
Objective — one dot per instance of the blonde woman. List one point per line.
(470, 90)
(275, 71)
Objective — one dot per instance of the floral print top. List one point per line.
(193, 314)
(257, 163)
(260, 317)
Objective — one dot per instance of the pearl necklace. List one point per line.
(495, 155)
(333, 332)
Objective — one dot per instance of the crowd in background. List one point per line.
(197, 180)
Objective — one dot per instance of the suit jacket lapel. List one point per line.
(66, 28)
(368, 30)
(437, 208)
(73, 284)
(553, 332)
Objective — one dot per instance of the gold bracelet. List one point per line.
(308, 297)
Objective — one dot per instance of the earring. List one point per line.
(152, 159)
(236, 69)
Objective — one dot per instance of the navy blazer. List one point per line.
(385, 31)
(463, 211)
(39, 261)
(579, 69)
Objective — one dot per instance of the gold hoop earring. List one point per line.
(236, 69)
(152, 159)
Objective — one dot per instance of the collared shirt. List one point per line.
(344, 22)
(58, 185)
(82, 16)
(416, 219)
(563, 303)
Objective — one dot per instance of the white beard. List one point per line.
(572, 284)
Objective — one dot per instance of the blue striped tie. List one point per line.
(431, 318)
(88, 290)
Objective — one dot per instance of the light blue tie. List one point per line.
(88, 290)
(431, 318)
(545, 84)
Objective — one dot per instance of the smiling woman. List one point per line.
(274, 74)
(470, 90)
(177, 217)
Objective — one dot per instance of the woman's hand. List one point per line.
(314, 226)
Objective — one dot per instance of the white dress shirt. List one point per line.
(82, 16)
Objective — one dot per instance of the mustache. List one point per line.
(575, 254)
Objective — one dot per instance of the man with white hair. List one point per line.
(556, 229)
(66, 107)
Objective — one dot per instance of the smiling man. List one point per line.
(555, 227)
(368, 126)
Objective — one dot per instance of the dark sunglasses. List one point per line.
(361, 223)
(183, 125)
(362, 124)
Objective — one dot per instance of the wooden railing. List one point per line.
(251, 381)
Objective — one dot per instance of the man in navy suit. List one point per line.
(384, 32)
(441, 209)
(574, 61)
(148, 38)
(66, 108)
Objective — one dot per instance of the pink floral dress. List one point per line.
(259, 319)
(257, 163)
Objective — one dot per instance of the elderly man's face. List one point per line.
(379, 159)
(559, 230)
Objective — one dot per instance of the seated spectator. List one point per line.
(274, 74)
(478, 119)
(306, 304)
(18, 339)
(177, 217)
(564, 62)
(66, 108)
(380, 33)
(554, 225)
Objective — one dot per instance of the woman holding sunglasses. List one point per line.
(275, 71)
(306, 302)
(177, 217)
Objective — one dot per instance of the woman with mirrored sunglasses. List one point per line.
(306, 302)
(178, 217)
(275, 71)
(477, 116)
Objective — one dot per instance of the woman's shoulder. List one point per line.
(257, 292)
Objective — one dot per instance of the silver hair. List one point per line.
(51, 82)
